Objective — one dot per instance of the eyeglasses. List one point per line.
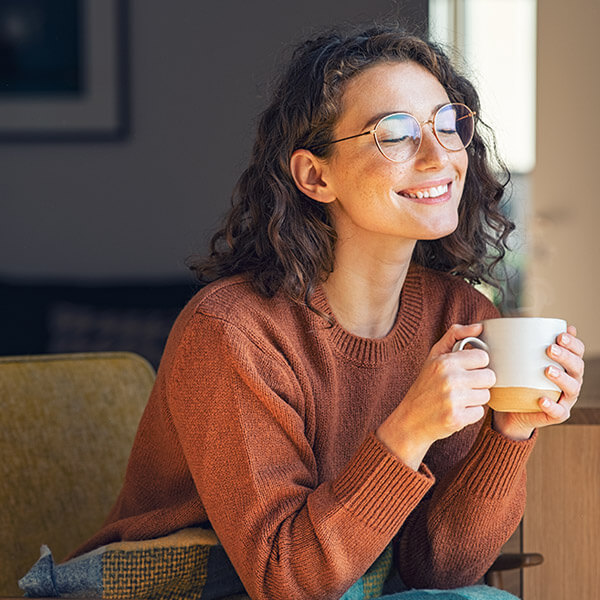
(398, 135)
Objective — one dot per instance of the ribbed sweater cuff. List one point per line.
(380, 489)
(494, 463)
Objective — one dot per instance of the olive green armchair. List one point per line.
(67, 427)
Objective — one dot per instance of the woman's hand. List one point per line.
(449, 394)
(567, 352)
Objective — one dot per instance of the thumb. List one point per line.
(454, 334)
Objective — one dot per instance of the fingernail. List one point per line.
(553, 371)
(545, 403)
(565, 340)
(555, 350)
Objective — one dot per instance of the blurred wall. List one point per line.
(135, 209)
(564, 224)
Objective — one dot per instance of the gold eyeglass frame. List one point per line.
(421, 125)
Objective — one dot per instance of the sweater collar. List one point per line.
(371, 351)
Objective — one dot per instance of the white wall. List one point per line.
(564, 270)
(136, 209)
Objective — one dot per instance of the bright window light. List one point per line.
(495, 41)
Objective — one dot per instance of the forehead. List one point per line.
(391, 87)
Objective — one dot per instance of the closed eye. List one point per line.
(395, 140)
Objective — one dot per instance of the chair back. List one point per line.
(67, 423)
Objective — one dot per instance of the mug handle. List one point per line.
(470, 340)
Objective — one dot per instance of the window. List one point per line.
(494, 43)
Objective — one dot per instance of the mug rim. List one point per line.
(524, 319)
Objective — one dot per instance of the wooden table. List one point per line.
(562, 518)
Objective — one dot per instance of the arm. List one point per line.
(480, 503)
(453, 538)
(240, 416)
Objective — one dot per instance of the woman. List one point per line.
(308, 406)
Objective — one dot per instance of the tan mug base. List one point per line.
(519, 399)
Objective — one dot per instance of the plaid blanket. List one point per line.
(187, 565)
(190, 564)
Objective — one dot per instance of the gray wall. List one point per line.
(135, 209)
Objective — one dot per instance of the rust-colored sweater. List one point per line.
(261, 423)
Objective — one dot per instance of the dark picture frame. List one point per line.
(63, 70)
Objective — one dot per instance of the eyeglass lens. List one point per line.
(399, 135)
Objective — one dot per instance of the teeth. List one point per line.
(433, 192)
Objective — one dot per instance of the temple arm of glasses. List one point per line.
(350, 137)
(467, 116)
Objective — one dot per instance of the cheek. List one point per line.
(463, 162)
(367, 177)
(461, 166)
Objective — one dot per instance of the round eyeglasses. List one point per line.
(398, 135)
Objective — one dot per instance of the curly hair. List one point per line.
(283, 239)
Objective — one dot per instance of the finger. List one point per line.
(557, 411)
(455, 333)
(572, 343)
(473, 414)
(572, 330)
(480, 379)
(572, 363)
(471, 358)
(570, 386)
(478, 398)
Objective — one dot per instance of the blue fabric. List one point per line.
(80, 576)
(475, 592)
(356, 592)
(40, 580)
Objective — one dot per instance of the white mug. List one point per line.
(517, 350)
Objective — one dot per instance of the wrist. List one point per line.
(405, 447)
(509, 429)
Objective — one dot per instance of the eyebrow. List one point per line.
(373, 120)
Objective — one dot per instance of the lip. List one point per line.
(426, 185)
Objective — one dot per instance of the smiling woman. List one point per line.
(316, 115)
(308, 407)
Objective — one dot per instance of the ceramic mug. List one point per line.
(517, 350)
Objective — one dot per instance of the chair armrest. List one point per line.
(508, 561)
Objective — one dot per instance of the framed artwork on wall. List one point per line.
(63, 70)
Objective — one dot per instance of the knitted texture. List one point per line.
(262, 421)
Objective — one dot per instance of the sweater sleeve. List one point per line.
(456, 533)
(240, 418)
(452, 539)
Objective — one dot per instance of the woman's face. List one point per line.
(376, 196)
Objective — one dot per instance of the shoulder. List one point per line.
(234, 299)
(231, 310)
(453, 295)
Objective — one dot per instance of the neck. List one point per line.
(364, 289)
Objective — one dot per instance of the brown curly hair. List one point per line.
(283, 239)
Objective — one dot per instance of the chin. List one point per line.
(440, 232)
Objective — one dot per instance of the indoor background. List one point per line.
(94, 232)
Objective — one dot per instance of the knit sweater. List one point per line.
(261, 425)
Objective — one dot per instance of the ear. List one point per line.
(310, 175)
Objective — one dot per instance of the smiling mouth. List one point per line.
(432, 192)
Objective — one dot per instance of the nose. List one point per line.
(431, 154)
